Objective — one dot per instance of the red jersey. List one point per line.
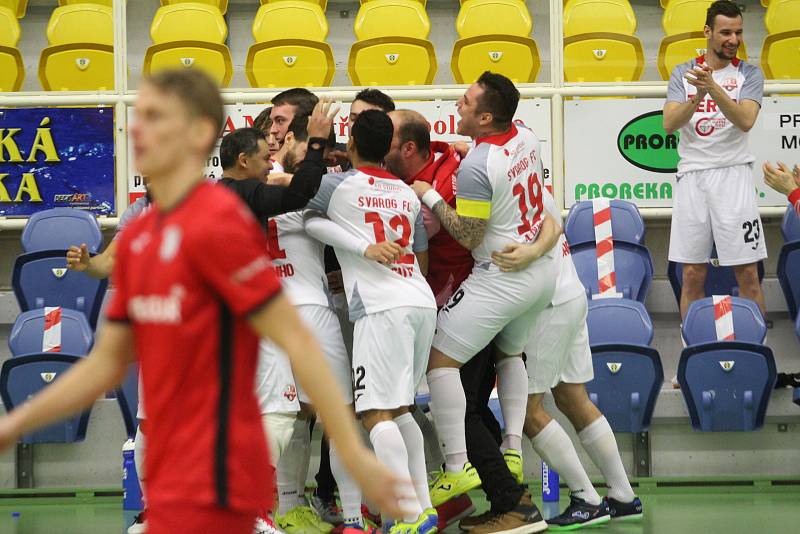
(449, 262)
(794, 200)
(185, 281)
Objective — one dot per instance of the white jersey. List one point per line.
(568, 285)
(500, 180)
(376, 206)
(709, 140)
(297, 259)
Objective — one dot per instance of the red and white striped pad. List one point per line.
(604, 245)
(51, 340)
(723, 317)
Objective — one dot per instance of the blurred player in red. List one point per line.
(194, 291)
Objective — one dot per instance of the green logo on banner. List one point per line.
(645, 144)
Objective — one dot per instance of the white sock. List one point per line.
(287, 472)
(349, 492)
(415, 446)
(138, 459)
(304, 464)
(512, 388)
(391, 451)
(598, 440)
(449, 407)
(555, 448)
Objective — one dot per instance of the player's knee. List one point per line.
(747, 276)
(694, 277)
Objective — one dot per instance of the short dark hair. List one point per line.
(726, 8)
(239, 141)
(302, 99)
(299, 127)
(195, 89)
(263, 122)
(414, 127)
(376, 98)
(500, 98)
(372, 135)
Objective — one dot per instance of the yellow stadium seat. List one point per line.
(385, 18)
(9, 27)
(493, 17)
(290, 63)
(12, 70)
(765, 3)
(677, 49)
(682, 16)
(108, 3)
(323, 4)
(782, 16)
(188, 21)
(780, 56)
(512, 56)
(290, 19)
(222, 5)
(18, 7)
(212, 58)
(603, 57)
(588, 16)
(81, 52)
(392, 61)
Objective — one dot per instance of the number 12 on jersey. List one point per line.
(401, 225)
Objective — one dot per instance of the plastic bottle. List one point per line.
(550, 492)
(131, 492)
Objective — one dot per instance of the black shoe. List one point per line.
(580, 514)
(787, 380)
(624, 511)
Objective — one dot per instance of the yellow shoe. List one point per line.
(513, 460)
(302, 520)
(450, 484)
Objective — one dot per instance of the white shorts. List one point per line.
(276, 389)
(716, 206)
(390, 356)
(491, 304)
(558, 350)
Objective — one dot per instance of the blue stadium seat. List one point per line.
(627, 379)
(626, 223)
(796, 396)
(619, 321)
(633, 265)
(719, 281)
(27, 375)
(130, 391)
(790, 226)
(748, 323)
(28, 331)
(727, 385)
(789, 276)
(42, 279)
(59, 228)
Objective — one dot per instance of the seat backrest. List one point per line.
(128, 398)
(626, 223)
(493, 17)
(699, 325)
(720, 280)
(392, 18)
(60, 228)
(587, 16)
(9, 27)
(188, 22)
(18, 7)
(782, 16)
(222, 5)
(27, 334)
(626, 383)
(727, 385)
(41, 279)
(790, 225)
(632, 263)
(789, 275)
(22, 377)
(779, 56)
(619, 321)
(81, 23)
(290, 19)
(603, 57)
(683, 16)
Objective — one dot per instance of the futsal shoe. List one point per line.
(303, 520)
(139, 525)
(326, 509)
(580, 514)
(375, 519)
(513, 460)
(468, 523)
(625, 511)
(359, 528)
(524, 518)
(451, 484)
(454, 510)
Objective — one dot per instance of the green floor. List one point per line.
(676, 511)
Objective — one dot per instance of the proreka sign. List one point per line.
(644, 143)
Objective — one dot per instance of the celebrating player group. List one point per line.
(317, 282)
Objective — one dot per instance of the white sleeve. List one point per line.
(325, 230)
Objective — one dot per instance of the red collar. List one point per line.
(498, 139)
(377, 172)
(702, 59)
(447, 163)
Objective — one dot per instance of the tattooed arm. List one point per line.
(468, 231)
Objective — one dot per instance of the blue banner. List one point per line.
(56, 157)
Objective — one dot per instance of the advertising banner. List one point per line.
(534, 113)
(56, 157)
(619, 149)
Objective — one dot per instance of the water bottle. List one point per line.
(550, 489)
(131, 492)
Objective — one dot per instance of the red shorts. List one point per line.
(191, 518)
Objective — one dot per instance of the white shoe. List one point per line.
(264, 526)
(139, 525)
